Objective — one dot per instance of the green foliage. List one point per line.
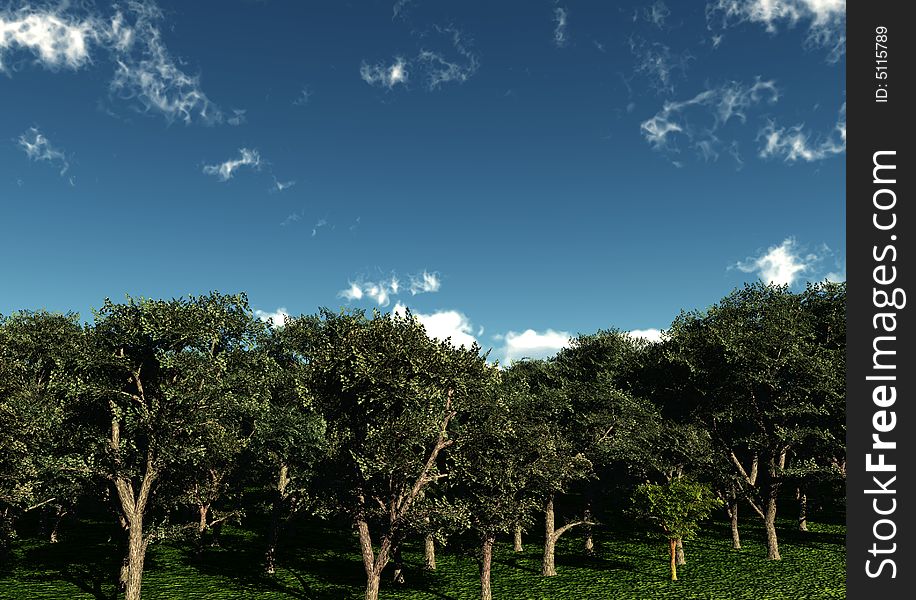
(676, 507)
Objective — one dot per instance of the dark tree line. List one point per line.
(174, 412)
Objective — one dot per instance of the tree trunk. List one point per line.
(373, 564)
(429, 552)
(55, 529)
(372, 585)
(517, 545)
(276, 518)
(548, 568)
(733, 517)
(136, 554)
(202, 511)
(802, 509)
(672, 546)
(589, 540)
(486, 559)
(769, 519)
(398, 561)
(681, 559)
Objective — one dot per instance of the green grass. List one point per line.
(320, 563)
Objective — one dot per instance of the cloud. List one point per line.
(652, 335)
(444, 325)
(382, 291)
(533, 344)
(826, 19)
(38, 148)
(658, 63)
(782, 265)
(145, 73)
(386, 76)
(560, 15)
(715, 107)
(321, 223)
(434, 67)
(794, 143)
(279, 186)
(276, 318)
(224, 171)
(305, 94)
(400, 8)
(439, 70)
(657, 14)
(55, 40)
(425, 282)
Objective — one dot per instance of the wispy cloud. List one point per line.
(386, 76)
(656, 13)
(713, 109)
(280, 186)
(276, 318)
(424, 283)
(381, 291)
(783, 264)
(795, 143)
(439, 70)
(292, 218)
(658, 63)
(400, 8)
(434, 67)
(305, 94)
(444, 325)
(560, 17)
(320, 224)
(826, 19)
(145, 73)
(224, 171)
(38, 148)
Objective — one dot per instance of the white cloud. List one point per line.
(386, 76)
(444, 325)
(826, 18)
(145, 73)
(55, 40)
(794, 143)
(434, 66)
(716, 107)
(224, 171)
(382, 291)
(652, 335)
(533, 344)
(782, 265)
(425, 282)
(439, 70)
(836, 276)
(560, 15)
(38, 148)
(276, 318)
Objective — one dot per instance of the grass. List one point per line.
(320, 563)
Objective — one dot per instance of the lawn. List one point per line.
(320, 563)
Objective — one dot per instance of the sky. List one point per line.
(515, 173)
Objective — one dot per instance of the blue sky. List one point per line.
(513, 172)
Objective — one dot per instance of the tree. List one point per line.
(676, 508)
(758, 374)
(288, 436)
(389, 396)
(493, 457)
(38, 351)
(158, 384)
